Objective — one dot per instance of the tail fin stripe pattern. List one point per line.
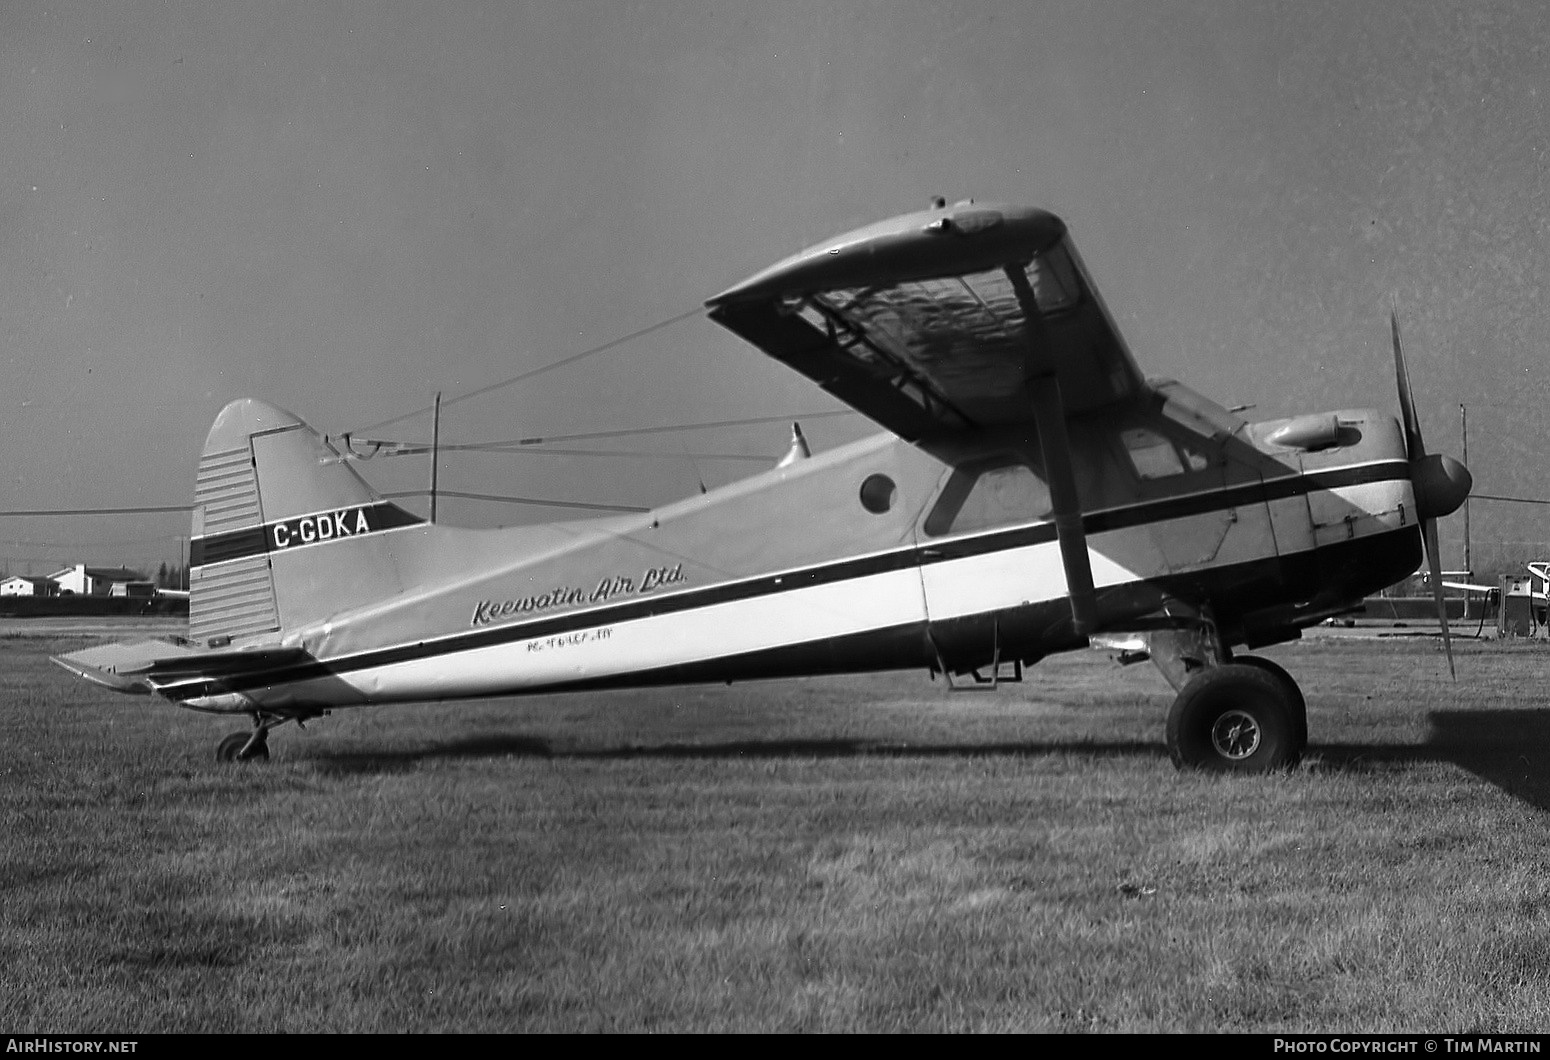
(228, 490)
(234, 599)
(237, 602)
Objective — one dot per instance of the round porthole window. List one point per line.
(877, 493)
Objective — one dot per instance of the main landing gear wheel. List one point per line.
(1236, 718)
(231, 749)
(1293, 692)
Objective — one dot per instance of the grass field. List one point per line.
(857, 854)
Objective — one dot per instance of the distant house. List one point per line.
(24, 585)
(82, 580)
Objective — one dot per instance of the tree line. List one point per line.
(172, 577)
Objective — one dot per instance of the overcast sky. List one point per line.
(344, 208)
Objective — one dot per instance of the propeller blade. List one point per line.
(1434, 568)
(1413, 444)
(1423, 475)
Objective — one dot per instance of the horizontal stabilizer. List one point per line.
(121, 667)
(146, 666)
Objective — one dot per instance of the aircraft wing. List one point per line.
(938, 320)
(952, 319)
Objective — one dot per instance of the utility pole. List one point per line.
(1464, 430)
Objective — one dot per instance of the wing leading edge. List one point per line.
(940, 320)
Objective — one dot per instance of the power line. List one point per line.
(386, 496)
(561, 363)
(548, 439)
(511, 445)
(628, 454)
(1512, 500)
(625, 453)
(537, 501)
(24, 513)
(11, 542)
(156, 508)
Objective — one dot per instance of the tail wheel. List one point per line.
(1237, 718)
(230, 749)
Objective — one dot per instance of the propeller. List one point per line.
(1440, 484)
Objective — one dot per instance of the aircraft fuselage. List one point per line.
(879, 555)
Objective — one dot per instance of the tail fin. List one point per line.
(285, 532)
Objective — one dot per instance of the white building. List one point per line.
(24, 585)
(82, 580)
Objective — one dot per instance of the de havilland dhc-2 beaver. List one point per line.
(1033, 493)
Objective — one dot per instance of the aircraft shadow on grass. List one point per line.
(533, 747)
(1506, 748)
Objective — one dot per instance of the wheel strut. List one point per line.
(253, 745)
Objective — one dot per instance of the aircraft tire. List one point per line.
(1237, 718)
(230, 749)
(1294, 693)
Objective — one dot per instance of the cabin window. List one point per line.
(989, 494)
(877, 493)
(1155, 456)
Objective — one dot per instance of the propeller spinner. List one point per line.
(1441, 484)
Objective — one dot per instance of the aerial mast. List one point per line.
(1464, 430)
(435, 451)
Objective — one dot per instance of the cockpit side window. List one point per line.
(997, 492)
(1054, 280)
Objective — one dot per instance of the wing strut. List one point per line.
(1049, 416)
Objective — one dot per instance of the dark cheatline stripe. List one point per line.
(256, 541)
(842, 570)
(1275, 489)
(217, 548)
